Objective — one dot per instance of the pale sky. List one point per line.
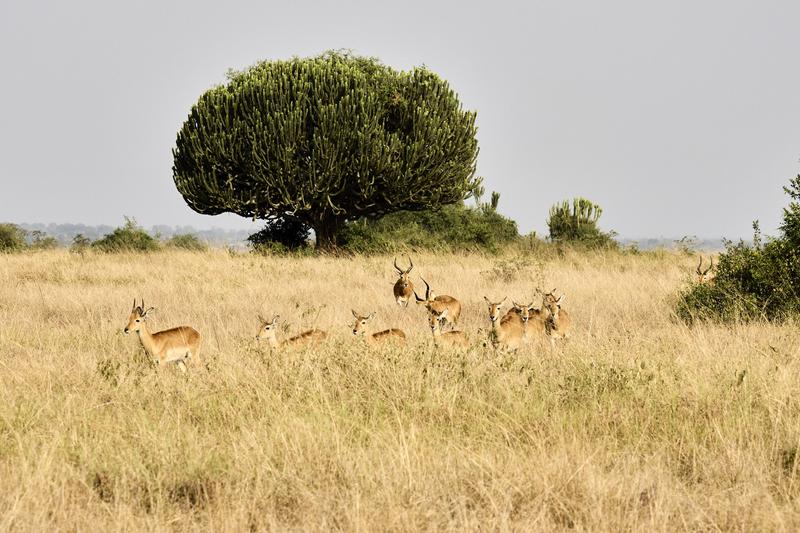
(679, 117)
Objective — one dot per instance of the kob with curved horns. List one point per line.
(403, 288)
(708, 275)
(438, 304)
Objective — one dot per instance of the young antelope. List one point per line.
(382, 337)
(269, 331)
(174, 345)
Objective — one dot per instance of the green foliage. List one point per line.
(80, 244)
(187, 241)
(791, 214)
(329, 139)
(279, 235)
(451, 228)
(12, 238)
(41, 241)
(128, 238)
(753, 281)
(577, 223)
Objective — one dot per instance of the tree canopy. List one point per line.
(325, 140)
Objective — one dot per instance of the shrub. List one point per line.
(80, 243)
(187, 241)
(279, 235)
(12, 238)
(42, 241)
(791, 214)
(128, 238)
(758, 280)
(451, 228)
(577, 223)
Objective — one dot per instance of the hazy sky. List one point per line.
(677, 117)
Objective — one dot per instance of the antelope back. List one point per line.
(312, 336)
(453, 338)
(388, 336)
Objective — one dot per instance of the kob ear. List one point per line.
(560, 300)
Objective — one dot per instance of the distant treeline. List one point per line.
(65, 233)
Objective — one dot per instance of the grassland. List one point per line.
(637, 423)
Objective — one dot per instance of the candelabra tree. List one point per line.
(325, 140)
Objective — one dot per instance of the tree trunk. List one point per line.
(326, 234)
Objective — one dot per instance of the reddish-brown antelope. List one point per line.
(449, 338)
(708, 275)
(392, 335)
(174, 345)
(439, 304)
(557, 320)
(403, 288)
(508, 330)
(269, 332)
(534, 320)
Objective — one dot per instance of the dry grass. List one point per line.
(638, 423)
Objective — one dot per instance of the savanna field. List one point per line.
(637, 422)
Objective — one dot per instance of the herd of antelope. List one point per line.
(519, 325)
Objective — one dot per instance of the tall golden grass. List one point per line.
(636, 423)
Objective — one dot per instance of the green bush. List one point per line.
(753, 281)
(791, 214)
(187, 241)
(280, 234)
(80, 243)
(12, 238)
(452, 228)
(129, 238)
(577, 223)
(42, 241)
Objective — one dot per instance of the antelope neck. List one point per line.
(146, 338)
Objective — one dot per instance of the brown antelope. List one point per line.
(381, 337)
(269, 331)
(557, 320)
(532, 318)
(174, 345)
(449, 338)
(439, 304)
(509, 330)
(403, 288)
(708, 275)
